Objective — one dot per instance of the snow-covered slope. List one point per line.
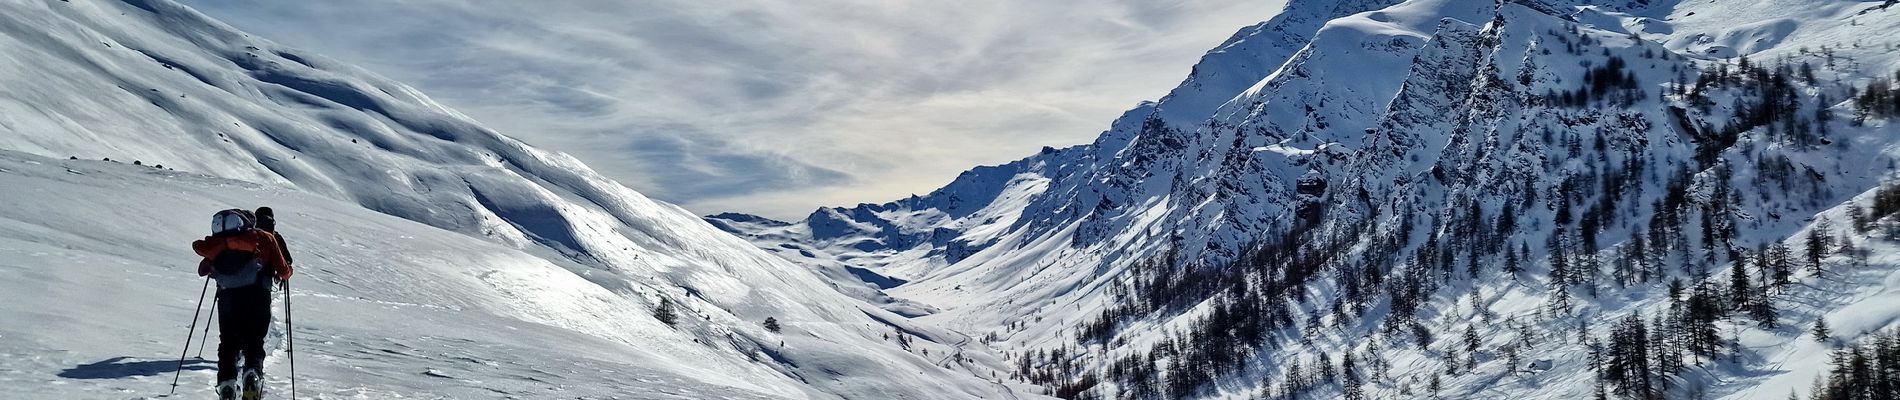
(506, 238)
(1364, 195)
(99, 296)
(1035, 198)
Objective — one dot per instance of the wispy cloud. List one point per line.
(771, 107)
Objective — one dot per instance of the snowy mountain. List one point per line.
(1436, 198)
(437, 258)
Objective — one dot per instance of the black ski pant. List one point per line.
(243, 320)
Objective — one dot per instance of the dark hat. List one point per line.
(266, 219)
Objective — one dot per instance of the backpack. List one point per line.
(232, 222)
(235, 268)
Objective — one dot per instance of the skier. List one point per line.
(267, 222)
(244, 260)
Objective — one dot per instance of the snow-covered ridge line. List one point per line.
(1096, 176)
(156, 82)
(1400, 133)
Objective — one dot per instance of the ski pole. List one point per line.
(188, 332)
(207, 334)
(290, 341)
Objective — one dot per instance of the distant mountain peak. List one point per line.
(1365, 169)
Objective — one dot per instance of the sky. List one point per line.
(771, 107)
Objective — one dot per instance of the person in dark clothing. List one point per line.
(243, 321)
(267, 222)
(246, 262)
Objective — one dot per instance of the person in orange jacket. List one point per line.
(245, 261)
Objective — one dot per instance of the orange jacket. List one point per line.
(264, 244)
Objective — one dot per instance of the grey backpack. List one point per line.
(235, 268)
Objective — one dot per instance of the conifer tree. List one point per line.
(1625, 362)
(1559, 301)
(1350, 371)
(1471, 341)
(1858, 217)
(1821, 332)
(1739, 289)
(1778, 258)
(1762, 310)
(1326, 371)
(1667, 355)
(1559, 266)
(664, 312)
(1817, 243)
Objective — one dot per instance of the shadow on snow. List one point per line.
(118, 367)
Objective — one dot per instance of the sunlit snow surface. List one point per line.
(99, 290)
(1364, 94)
(438, 258)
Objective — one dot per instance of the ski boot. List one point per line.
(228, 390)
(253, 385)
